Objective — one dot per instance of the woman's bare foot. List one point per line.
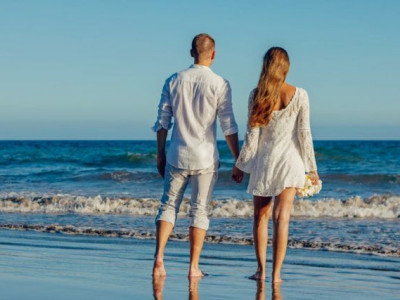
(158, 268)
(276, 278)
(259, 275)
(196, 272)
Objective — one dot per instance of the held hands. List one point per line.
(161, 162)
(237, 175)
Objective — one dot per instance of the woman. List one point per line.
(277, 152)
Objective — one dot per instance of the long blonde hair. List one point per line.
(273, 74)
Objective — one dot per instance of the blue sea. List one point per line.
(111, 188)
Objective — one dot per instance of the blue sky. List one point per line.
(95, 69)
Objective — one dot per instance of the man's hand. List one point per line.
(161, 162)
(314, 177)
(237, 175)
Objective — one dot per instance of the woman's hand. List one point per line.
(237, 174)
(314, 177)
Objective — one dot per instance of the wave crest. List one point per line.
(91, 159)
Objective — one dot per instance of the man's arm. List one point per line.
(233, 142)
(229, 128)
(227, 120)
(161, 126)
(161, 158)
(225, 112)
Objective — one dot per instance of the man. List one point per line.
(194, 97)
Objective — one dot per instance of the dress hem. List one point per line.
(274, 193)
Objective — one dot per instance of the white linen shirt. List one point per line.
(194, 97)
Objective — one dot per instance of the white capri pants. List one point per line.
(175, 183)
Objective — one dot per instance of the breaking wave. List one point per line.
(379, 206)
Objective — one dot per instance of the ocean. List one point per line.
(112, 189)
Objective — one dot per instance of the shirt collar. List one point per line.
(199, 66)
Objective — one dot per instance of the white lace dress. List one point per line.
(278, 155)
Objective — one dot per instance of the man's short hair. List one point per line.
(202, 45)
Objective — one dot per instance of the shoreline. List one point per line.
(209, 239)
(63, 266)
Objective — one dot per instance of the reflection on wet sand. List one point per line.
(260, 295)
(194, 288)
(159, 282)
(158, 286)
(276, 291)
(275, 287)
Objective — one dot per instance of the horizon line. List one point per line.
(154, 140)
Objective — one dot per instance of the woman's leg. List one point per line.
(281, 215)
(262, 211)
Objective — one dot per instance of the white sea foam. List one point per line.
(385, 207)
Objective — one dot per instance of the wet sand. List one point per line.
(35, 265)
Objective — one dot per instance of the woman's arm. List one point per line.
(248, 152)
(305, 138)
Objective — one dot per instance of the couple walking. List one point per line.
(277, 151)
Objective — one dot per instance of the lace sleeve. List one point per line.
(304, 135)
(247, 155)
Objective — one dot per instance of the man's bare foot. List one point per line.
(158, 268)
(196, 272)
(258, 276)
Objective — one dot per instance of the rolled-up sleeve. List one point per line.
(225, 111)
(164, 116)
